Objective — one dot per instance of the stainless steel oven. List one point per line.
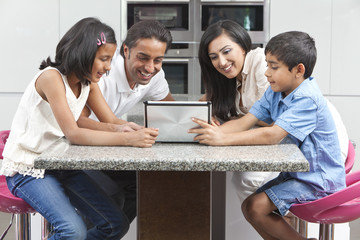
(182, 69)
(177, 16)
(187, 20)
(253, 15)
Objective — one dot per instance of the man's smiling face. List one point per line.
(143, 61)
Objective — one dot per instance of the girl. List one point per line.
(48, 111)
(234, 78)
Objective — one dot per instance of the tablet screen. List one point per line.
(173, 118)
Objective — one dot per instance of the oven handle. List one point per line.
(153, 1)
(171, 60)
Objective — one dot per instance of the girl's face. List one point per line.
(102, 61)
(226, 56)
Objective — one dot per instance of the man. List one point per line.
(135, 74)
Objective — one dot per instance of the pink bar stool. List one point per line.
(350, 159)
(17, 206)
(340, 207)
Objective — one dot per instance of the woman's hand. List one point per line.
(217, 122)
(209, 134)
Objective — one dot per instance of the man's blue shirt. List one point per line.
(307, 119)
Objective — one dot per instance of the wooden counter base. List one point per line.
(178, 208)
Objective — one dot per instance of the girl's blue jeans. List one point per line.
(60, 194)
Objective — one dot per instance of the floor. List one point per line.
(5, 219)
(355, 230)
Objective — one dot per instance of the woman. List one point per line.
(233, 75)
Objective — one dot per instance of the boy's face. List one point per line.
(279, 76)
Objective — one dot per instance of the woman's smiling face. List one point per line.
(226, 56)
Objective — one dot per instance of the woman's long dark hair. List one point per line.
(76, 51)
(220, 90)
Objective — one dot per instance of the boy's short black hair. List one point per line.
(293, 48)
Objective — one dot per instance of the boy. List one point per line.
(296, 106)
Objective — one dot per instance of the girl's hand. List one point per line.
(134, 126)
(128, 127)
(144, 137)
(209, 134)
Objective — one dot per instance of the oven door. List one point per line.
(177, 16)
(183, 75)
(253, 16)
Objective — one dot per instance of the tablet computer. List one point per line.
(173, 118)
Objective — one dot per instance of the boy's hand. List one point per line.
(209, 134)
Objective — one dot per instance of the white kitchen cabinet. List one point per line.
(8, 105)
(345, 48)
(29, 33)
(236, 224)
(348, 107)
(312, 17)
(107, 11)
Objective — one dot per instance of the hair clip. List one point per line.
(103, 39)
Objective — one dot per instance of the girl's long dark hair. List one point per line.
(220, 90)
(76, 51)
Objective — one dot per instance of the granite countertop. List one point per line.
(174, 157)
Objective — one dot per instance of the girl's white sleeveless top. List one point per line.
(35, 128)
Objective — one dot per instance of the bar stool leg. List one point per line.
(46, 229)
(299, 225)
(303, 228)
(23, 231)
(326, 232)
(7, 229)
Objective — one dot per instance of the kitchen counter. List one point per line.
(181, 187)
(175, 157)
